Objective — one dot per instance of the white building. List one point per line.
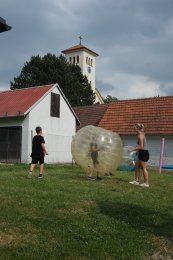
(86, 60)
(21, 110)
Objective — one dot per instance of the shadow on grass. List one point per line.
(121, 180)
(140, 218)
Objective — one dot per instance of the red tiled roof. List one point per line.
(90, 115)
(17, 102)
(78, 47)
(155, 113)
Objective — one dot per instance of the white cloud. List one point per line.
(126, 86)
(134, 39)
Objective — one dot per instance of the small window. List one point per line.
(77, 59)
(86, 60)
(73, 60)
(55, 105)
(91, 62)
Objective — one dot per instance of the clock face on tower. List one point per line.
(89, 69)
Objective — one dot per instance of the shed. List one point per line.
(21, 110)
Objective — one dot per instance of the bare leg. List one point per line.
(145, 172)
(97, 167)
(32, 166)
(91, 168)
(95, 170)
(137, 171)
(90, 172)
(41, 169)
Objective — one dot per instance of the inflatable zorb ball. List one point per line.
(108, 144)
(128, 159)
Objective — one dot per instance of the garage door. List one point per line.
(10, 144)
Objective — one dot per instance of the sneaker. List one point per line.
(90, 178)
(29, 176)
(99, 178)
(145, 185)
(40, 176)
(134, 182)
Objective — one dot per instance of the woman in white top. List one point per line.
(143, 157)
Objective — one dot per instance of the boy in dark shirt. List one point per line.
(38, 152)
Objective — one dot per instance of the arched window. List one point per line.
(86, 60)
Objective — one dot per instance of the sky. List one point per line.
(134, 40)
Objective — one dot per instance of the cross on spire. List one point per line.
(80, 37)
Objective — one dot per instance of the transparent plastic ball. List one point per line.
(128, 159)
(95, 147)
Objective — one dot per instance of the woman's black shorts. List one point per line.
(143, 155)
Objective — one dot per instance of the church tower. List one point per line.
(86, 59)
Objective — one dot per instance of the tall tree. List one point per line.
(109, 99)
(51, 69)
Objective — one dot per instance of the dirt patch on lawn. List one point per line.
(6, 239)
(161, 255)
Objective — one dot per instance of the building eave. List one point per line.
(66, 100)
(78, 48)
(97, 93)
(3, 26)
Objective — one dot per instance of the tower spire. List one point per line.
(80, 37)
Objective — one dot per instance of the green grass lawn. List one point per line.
(65, 216)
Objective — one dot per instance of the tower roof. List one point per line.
(79, 47)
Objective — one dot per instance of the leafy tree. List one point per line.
(109, 99)
(51, 69)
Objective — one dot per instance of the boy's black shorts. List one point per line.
(37, 159)
(94, 156)
(143, 155)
